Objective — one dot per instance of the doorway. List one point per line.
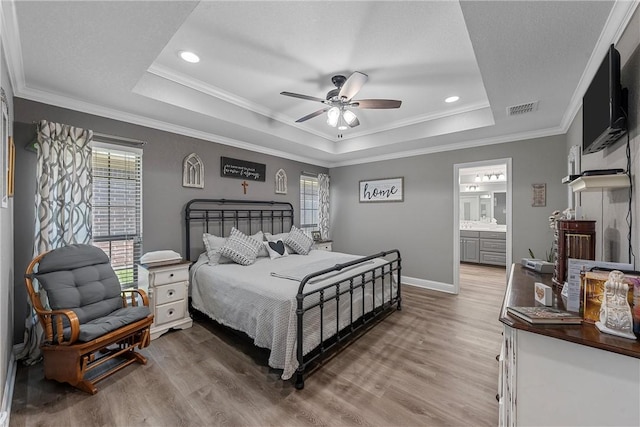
(482, 216)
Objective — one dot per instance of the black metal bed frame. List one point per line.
(275, 217)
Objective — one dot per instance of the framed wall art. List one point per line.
(4, 150)
(539, 196)
(382, 190)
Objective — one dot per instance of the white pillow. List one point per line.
(299, 241)
(281, 236)
(259, 236)
(212, 245)
(241, 248)
(276, 248)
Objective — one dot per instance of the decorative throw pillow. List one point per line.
(241, 248)
(212, 245)
(299, 241)
(276, 248)
(259, 236)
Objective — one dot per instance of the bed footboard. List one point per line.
(362, 299)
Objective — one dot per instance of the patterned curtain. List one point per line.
(323, 211)
(63, 199)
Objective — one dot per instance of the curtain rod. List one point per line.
(120, 140)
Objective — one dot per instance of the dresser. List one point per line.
(564, 375)
(168, 290)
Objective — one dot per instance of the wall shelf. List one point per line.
(598, 182)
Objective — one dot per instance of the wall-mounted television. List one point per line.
(604, 106)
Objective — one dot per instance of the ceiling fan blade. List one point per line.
(307, 97)
(353, 85)
(376, 103)
(312, 115)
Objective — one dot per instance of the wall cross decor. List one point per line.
(244, 184)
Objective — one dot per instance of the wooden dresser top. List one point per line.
(520, 293)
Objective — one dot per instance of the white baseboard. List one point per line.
(428, 284)
(7, 396)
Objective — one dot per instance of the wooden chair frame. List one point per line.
(77, 363)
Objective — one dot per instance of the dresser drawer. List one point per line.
(493, 245)
(169, 293)
(168, 312)
(322, 246)
(171, 275)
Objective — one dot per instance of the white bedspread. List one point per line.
(252, 300)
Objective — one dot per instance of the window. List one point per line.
(117, 207)
(308, 202)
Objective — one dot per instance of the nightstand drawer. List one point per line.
(169, 312)
(172, 275)
(169, 293)
(322, 246)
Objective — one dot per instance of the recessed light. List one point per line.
(189, 56)
(452, 99)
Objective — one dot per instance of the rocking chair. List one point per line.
(92, 327)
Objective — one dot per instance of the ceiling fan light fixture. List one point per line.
(451, 99)
(341, 123)
(333, 115)
(349, 117)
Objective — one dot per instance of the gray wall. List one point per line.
(163, 195)
(609, 208)
(422, 226)
(6, 257)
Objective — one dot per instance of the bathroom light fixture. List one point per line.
(478, 179)
(501, 177)
(189, 56)
(493, 177)
(485, 178)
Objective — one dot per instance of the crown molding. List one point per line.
(210, 90)
(207, 89)
(453, 146)
(11, 44)
(617, 21)
(88, 108)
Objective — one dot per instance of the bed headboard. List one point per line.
(218, 216)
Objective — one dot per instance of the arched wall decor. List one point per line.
(281, 182)
(193, 171)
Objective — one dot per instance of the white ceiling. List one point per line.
(119, 60)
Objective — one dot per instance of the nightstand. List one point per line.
(323, 246)
(168, 290)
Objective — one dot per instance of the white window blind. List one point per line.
(309, 202)
(117, 207)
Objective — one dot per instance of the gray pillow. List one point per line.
(241, 248)
(299, 241)
(212, 245)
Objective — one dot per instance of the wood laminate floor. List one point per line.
(431, 364)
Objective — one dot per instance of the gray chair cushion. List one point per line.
(80, 278)
(98, 327)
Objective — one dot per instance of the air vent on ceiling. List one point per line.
(516, 110)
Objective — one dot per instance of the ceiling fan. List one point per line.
(339, 101)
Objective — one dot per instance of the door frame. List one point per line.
(456, 214)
